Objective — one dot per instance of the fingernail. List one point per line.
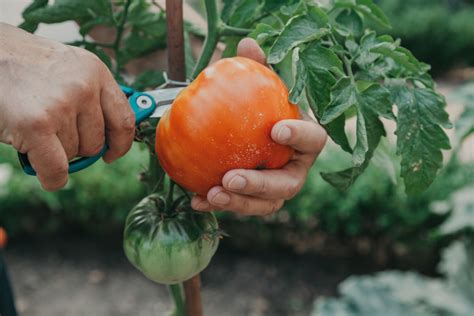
(237, 183)
(284, 134)
(221, 198)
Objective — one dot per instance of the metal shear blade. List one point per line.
(163, 99)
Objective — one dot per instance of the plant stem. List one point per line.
(118, 38)
(169, 197)
(212, 37)
(227, 30)
(176, 292)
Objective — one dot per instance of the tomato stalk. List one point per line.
(215, 29)
(118, 38)
(176, 291)
(177, 71)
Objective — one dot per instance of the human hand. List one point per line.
(263, 192)
(59, 102)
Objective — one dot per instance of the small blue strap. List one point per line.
(142, 104)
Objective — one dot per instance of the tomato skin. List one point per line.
(169, 250)
(223, 121)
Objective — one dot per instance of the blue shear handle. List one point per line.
(142, 104)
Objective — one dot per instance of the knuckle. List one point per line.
(38, 123)
(128, 123)
(261, 187)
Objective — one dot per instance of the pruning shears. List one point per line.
(150, 104)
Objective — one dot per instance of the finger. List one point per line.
(241, 204)
(90, 125)
(69, 138)
(249, 48)
(283, 183)
(199, 203)
(307, 137)
(50, 162)
(118, 118)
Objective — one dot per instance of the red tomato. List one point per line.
(223, 121)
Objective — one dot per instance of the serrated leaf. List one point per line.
(420, 137)
(300, 76)
(342, 180)
(370, 103)
(336, 130)
(343, 96)
(373, 12)
(298, 30)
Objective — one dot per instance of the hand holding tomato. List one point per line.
(263, 192)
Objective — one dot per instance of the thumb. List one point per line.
(249, 48)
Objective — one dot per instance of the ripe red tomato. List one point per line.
(223, 121)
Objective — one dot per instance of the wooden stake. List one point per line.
(177, 71)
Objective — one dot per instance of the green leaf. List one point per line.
(373, 101)
(148, 33)
(273, 5)
(300, 75)
(336, 130)
(349, 23)
(231, 46)
(244, 13)
(30, 26)
(343, 96)
(228, 9)
(263, 32)
(90, 24)
(420, 137)
(149, 79)
(298, 30)
(65, 10)
(342, 180)
(373, 12)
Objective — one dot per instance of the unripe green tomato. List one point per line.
(169, 249)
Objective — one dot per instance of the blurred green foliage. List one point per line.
(97, 199)
(439, 32)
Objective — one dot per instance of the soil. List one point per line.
(72, 276)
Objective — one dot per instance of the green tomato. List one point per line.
(169, 249)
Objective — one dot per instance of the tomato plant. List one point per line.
(224, 116)
(329, 57)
